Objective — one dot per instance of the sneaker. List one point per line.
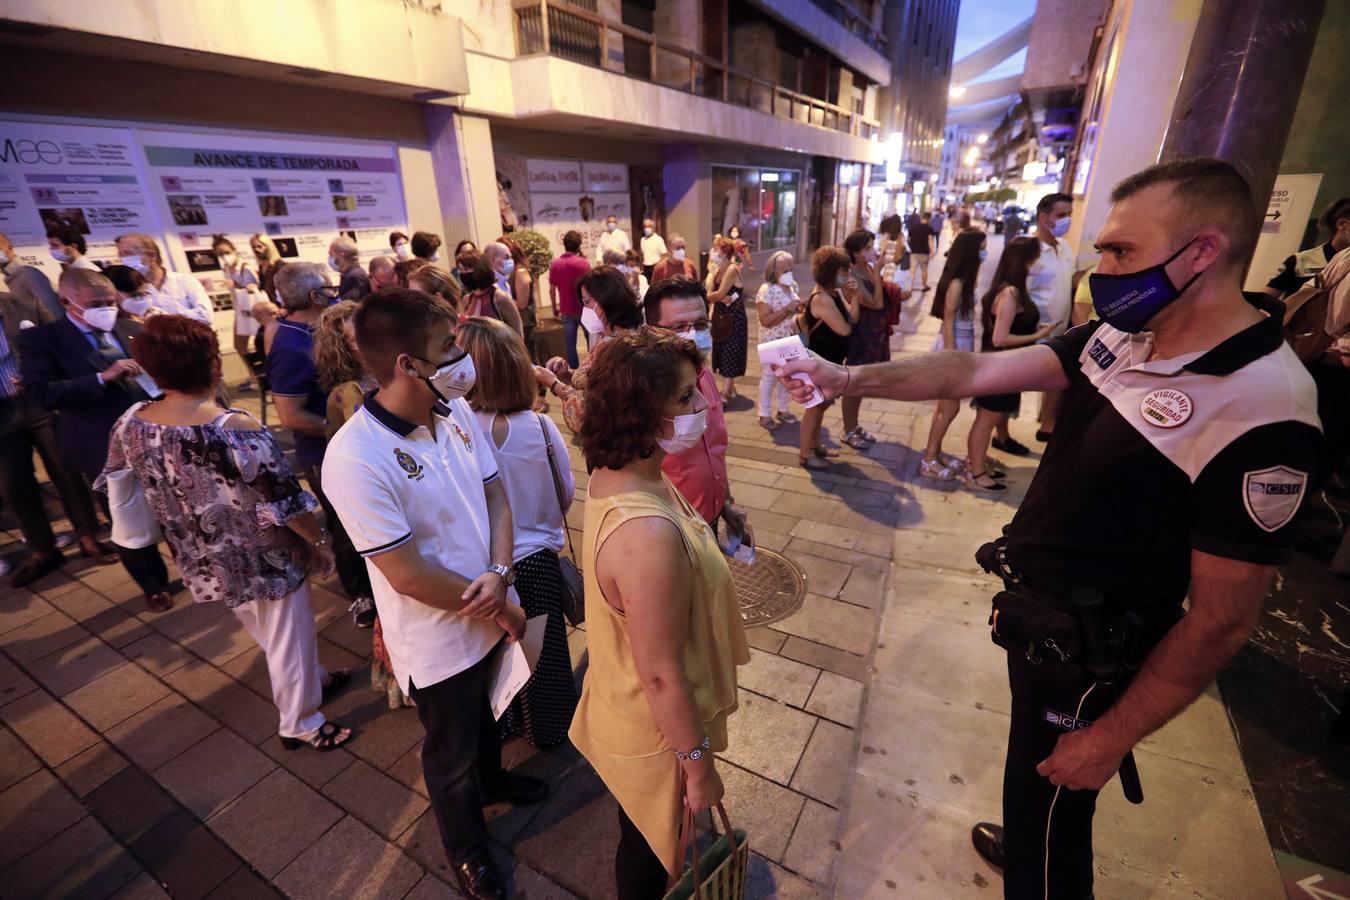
(65, 539)
(363, 612)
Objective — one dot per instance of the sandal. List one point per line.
(767, 422)
(336, 682)
(865, 435)
(330, 736)
(786, 418)
(814, 463)
(956, 463)
(826, 453)
(855, 440)
(933, 468)
(973, 483)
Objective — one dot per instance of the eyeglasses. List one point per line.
(700, 326)
(329, 293)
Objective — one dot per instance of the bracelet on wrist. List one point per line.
(322, 540)
(695, 754)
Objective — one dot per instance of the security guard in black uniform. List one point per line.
(1186, 443)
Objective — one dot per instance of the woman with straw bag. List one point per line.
(664, 637)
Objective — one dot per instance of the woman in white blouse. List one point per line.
(777, 304)
(502, 398)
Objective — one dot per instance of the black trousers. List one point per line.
(351, 568)
(25, 428)
(144, 564)
(638, 873)
(461, 756)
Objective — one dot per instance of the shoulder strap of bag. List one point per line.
(557, 483)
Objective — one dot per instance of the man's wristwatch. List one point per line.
(508, 574)
(697, 753)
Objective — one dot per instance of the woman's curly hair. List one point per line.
(632, 379)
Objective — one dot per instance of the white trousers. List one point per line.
(766, 383)
(284, 629)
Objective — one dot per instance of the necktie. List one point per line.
(106, 347)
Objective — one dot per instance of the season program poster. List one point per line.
(85, 177)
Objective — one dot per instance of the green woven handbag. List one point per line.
(720, 872)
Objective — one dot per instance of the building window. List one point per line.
(763, 203)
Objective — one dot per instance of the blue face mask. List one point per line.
(1128, 302)
(984, 254)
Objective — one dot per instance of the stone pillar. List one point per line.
(687, 180)
(1241, 86)
(466, 176)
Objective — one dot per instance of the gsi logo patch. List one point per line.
(1100, 355)
(1064, 720)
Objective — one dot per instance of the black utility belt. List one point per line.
(1023, 623)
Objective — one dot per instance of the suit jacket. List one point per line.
(60, 374)
(20, 412)
(30, 285)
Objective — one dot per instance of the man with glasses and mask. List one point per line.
(697, 465)
(416, 484)
(302, 405)
(1186, 445)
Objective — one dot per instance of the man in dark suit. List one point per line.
(81, 366)
(24, 427)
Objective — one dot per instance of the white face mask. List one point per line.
(333, 263)
(647, 231)
(1061, 226)
(136, 263)
(702, 339)
(610, 226)
(61, 256)
(226, 259)
(508, 266)
(4, 258)
(678, 254)
(787, 278)
(102, 318)
(591, 321)
(688, 431)
(136, 305)
(402, 251)
(435, 257)
(454, 379)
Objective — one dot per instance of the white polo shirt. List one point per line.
(181, 295)
(392, 482)
(1050, 284)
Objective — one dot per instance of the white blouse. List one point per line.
(777, 297)
(523, 464)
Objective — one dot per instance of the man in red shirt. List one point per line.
(674, 263)
(680, 305)
(563, 276)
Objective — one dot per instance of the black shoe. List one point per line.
(478, 878)
(988, 840)
(1011, 445)
(518, 790)
(36, 566)
(1043, 436)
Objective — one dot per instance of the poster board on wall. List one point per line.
(554, 196)
(300, 193)
(85, 176)
(1286, 217)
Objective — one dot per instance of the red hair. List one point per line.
(181, 354)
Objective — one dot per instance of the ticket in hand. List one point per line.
(775, 353)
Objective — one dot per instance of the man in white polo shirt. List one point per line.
(415, 484)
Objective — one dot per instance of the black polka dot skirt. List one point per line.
(542, 711)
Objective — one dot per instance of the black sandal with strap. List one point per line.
(328, 737)
(336, 682)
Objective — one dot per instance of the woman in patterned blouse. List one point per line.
(241, 529)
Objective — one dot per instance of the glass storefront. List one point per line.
(763, 203)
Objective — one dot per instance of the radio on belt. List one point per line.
(775, 353)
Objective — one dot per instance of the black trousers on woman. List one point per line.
(638, 872)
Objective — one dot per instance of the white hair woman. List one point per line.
(777, 304)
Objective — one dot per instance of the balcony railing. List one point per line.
(855, 21)
(570, 32)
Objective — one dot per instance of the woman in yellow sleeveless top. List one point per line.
(663, 629)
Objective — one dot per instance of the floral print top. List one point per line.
(777, 297)
(223, 498)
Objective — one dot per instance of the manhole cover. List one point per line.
(771, 589)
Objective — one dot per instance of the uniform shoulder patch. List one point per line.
(1272, 496)
(1099, 353)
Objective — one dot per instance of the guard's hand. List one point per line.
(484, 597)
(1081, 761)
(123, 368)
(827, 376)
(512, 620)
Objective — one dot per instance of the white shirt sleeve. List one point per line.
(196, 303)
(366, 504)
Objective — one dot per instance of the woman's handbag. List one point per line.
(723, 322)
(573, 584)
(720, 872)
(133, 521)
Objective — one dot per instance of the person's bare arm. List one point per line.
(654, 598)
(293, 415)
(408, 572)
(553, 297)
(824, 309)
(950, 304)
(1005, 310)
(768, 316)
(523, 280)
(506, 308)
(1226, 597)
(726, 279)
(877, 298)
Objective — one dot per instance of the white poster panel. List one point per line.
(563, 175)
(556, 214)
(87, 177)
(1286, 217)
(300, 193)
(605, 177)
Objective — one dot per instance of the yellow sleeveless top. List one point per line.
(614, 727)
